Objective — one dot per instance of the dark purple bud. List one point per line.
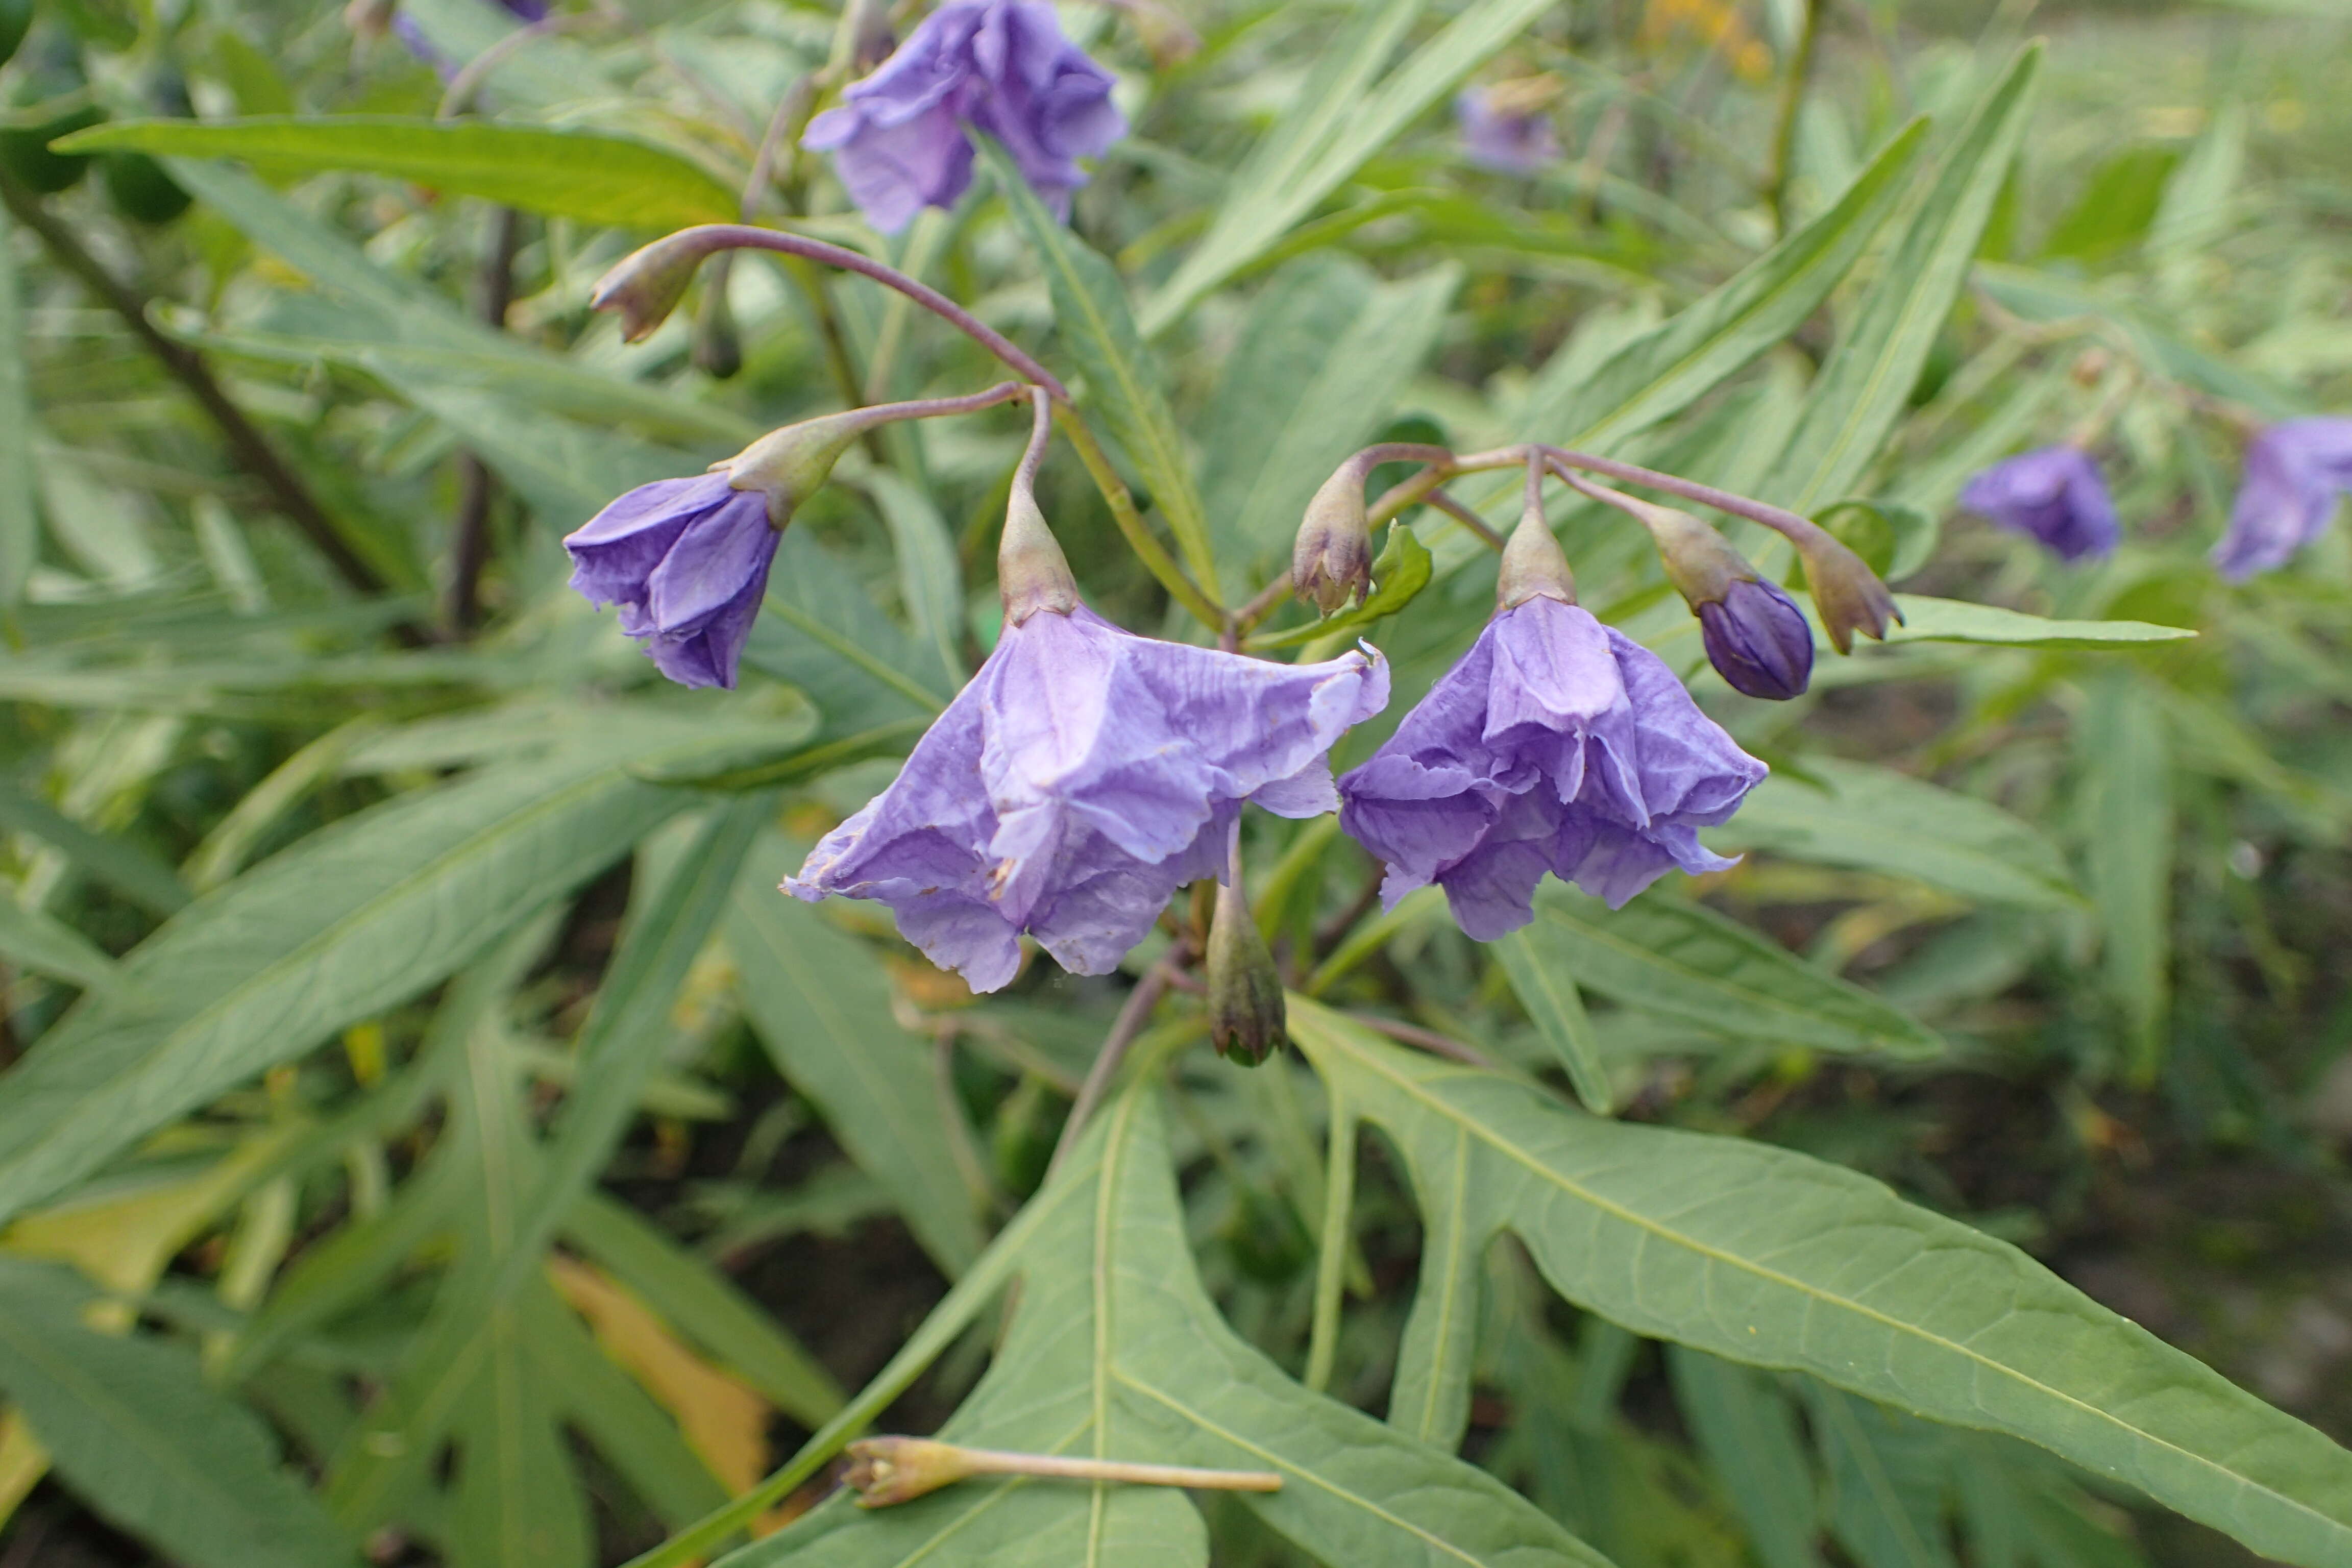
(1506, 127)
(1758, 640)
(2054, 495)
(1002, 66)
(686, 561)
(2294, 471)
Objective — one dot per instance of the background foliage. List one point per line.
(427, 1136)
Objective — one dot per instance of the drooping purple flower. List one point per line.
(898, 138)
(2055, 495)
(1758, 640)
(1497, 133)
(1082, 776)
(686, 561)
(2294, 471)
(1556, 745)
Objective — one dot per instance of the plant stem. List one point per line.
(1123, 1030)
(1780, 520)
(470, 536)
(246, 444)
(1154, 556)
(999, 1462)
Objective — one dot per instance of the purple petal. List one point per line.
(2054, 495)
(2294, 471)
(1758, 641)
(1505, 142)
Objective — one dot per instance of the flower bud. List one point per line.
(718, 348)
(1332, 557)
(1247, 1019)
(1847, 594)
(793, 464)
(646, 285)
(887, 1470)
(1758, 641)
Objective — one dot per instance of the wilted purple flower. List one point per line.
(2294, 471)
(2055, 494)
(1002, 66)
(687, 560)
(1758, 640)
(1502, 132)
(1556, 745)
(1082, 777)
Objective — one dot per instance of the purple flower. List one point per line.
(898, 138)
(1082, 777)
(2055, 494)
(1497, 134)
(409, 32)
(687, 560)
(1556, 745)
(2294, 471)
(1758, 640)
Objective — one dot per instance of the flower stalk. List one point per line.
(886, 1471)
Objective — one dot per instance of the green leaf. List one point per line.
(133, 1428)
(1887, 1481)
(704, 1305)
(1115, 1350)
(1749, 1434)
(20, 526)
(1672, 365)
(120, 864)
(1684, 961)
(354, 918)
(820, 1000)
(33, 941)
(1091, 312)
(1401, 570)
(1316, 369)
(1763, 1256)
(930, 577)
(820, 631)
(1875, 819)
(1956, 620)
(1343, 118)
(561, 172)
(1547, 989)
(2116, 207)
(1866, 384)
(2124, 747)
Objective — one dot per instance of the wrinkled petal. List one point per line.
(1082, 776)
(2054, 495)
(1556, 744)
(898, 137)
(2294, 471)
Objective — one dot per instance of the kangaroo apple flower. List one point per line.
(2295, 472)
(686, 561)
(899, 138)
(1505, 128)
(2054, 495)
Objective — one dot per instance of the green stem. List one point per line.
(1784, 128)
(1147, 550)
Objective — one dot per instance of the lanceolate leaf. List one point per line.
(354, 918)
(563, 173)
(32, 940)
(1116, 1353)
(1862, 389)
(19, 524)
(1090, 309)
(1956, 620)
(1691, 963)
(1875, 819)
(1763, 1256)
(130, 1424)
(821, 1004)
(1547, 989)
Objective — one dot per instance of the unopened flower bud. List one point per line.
(1847, 594)
(646, 285)
(1247, 1019)
(717, 347)
(888, 1470)
(1331, 559)
(1758, 641)
(791, 464)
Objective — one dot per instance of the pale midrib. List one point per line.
(1448, 1300)
(1099, 1282)
(1415, 1091)
(818, 632)
(1279, 1462)
(506, 829)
